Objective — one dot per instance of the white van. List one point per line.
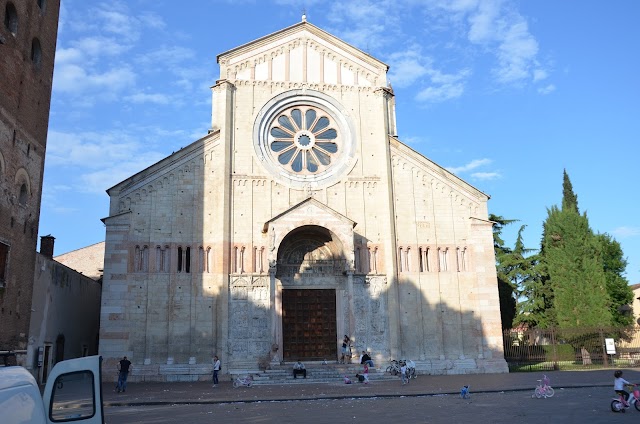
(73, 393)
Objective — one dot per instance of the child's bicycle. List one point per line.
(244, 381)
(619, 405)
(543, 389)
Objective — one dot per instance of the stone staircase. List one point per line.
(317, 372)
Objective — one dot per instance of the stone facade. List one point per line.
(27, 46)
(301, 188)
(65, 314)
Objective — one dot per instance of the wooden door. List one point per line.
(309, 324)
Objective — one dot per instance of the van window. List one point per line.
(73, 397)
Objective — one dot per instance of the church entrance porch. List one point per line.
(309, 324)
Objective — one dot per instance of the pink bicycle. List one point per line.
(619, 405)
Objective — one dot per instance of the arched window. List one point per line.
(42, 4)
(36, 52)
(11, 19)
(24, 194)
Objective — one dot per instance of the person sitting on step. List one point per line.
(298, 368)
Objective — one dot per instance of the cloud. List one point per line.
(486, 176)
(161, 99)
(625, 232)
(476, 163)
(547, 89)
(72, 78)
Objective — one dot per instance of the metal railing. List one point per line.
(571, 349)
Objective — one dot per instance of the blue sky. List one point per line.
(506, 94)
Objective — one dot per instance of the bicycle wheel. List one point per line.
(637, 405)
(236, 384)
(616, 406)
(538, 392)
(549, 392)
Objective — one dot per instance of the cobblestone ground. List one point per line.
(583, 405)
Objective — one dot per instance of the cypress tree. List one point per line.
(574, 266)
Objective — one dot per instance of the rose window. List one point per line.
(304, 140)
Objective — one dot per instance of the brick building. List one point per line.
(300, 218)
(28, 33)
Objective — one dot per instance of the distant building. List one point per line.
(28, 33)
(65, 313)
(88, 261)
(300, 218)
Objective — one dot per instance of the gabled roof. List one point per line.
(301, 27)
(304, 203)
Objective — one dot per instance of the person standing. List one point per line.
(346, 349)
(298, 368)
(366, 373)
(123, 372)
(403, 374)
(216, 368)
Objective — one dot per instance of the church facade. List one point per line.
(298, 219)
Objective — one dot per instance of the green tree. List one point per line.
(514, 270)
(506, 291)
(573, 262)
(620, 293)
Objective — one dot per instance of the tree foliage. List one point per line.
(576, 279)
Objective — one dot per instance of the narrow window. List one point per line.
(136, 259)
(201, 257)
(442, 259)
(187, 260)
(357, 260)
(458, 260)
(421, 264)
(36, 52)
(235, 260)
(179, 259)
(408, 259)
(463, 259)
(158, 259)
(11, 19)
(207, 259)
(255, 260)
(42, 4)
(4, 262)
(166, 259)
(24, 194)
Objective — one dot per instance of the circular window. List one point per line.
(304, 138)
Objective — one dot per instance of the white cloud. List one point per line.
(539, 75)
(476, 163)
(624, 232)
(161, 99)
(72, 78)
(444, 86)
(486, 176)
(547, 89)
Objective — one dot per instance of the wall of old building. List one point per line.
(65, 304)
(27, 47)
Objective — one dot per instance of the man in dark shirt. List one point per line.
(123, 366)
(366, 359)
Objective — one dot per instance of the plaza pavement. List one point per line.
(424, 385)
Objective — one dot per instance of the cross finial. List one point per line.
(304, 15)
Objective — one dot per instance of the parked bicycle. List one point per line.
(244, 381)
(543, 389)
(395, 365)
(619, 405)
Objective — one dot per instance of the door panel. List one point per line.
(309, 324)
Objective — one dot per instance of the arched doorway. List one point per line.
(311, 265)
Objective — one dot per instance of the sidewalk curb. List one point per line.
(336, 397)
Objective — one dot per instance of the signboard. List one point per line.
(611, 346)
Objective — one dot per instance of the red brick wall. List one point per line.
(25, 96)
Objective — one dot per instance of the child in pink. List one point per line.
(366, 374)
